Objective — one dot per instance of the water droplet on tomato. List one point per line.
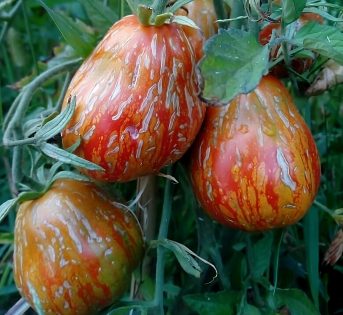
(133, 132)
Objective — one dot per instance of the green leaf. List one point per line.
(292, 9)
(187, 262)
(66, 157)
(74, 34)
(177, 5)
(234, 63)
(261, 255)
(30, 195)
(323, 39)
(56, 125)
(70, 175)
(221, 303)
(251, 310)
(295, 301)
(184, 20)
(324, 14)
(6, 207)
(6, 238)
(101, 16)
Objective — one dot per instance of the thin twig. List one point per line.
(18, 308)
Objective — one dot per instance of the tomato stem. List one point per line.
(220, 9)
(276, 261)
(236, 11)
(16, 174)
(158, 7)
(163, 233)
(154, 15)
(322, 207)
(250, 259)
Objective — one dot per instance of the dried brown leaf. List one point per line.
(335, 250)
(331, 75)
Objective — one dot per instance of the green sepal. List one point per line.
(67, 157)
(57, 124)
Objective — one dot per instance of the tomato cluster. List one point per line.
(137, 110)
(254, 164)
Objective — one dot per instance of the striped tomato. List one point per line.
(255, 165)
(74, 250)
(137, 108)
(203, 13)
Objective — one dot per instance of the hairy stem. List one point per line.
(22, 101)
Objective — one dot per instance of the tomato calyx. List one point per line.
(38, 189)
(147, 17)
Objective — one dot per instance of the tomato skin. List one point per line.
(255, 165)
(300, 65)
(196, 39)
(74, 249)
(203, 13)
(137, 108)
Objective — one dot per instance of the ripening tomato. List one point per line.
(255, 165)
(137, 105)
(203, 13)
(196, 39)
(74, 249)
(300, 65)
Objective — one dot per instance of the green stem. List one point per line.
(29, 35)
(23, 99)
(20, 142)
(158, 7)
(287, 59)
(63, 92)
(9, 69)
(250, 259)
(122, 8)
(322, 207)
(276, 262)
(286, 54)
(236, 11)
(220, 10)
(253, 27)
(163, 233)
(12, 12)
(8, 19)
(17, 166)
(3, 31)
